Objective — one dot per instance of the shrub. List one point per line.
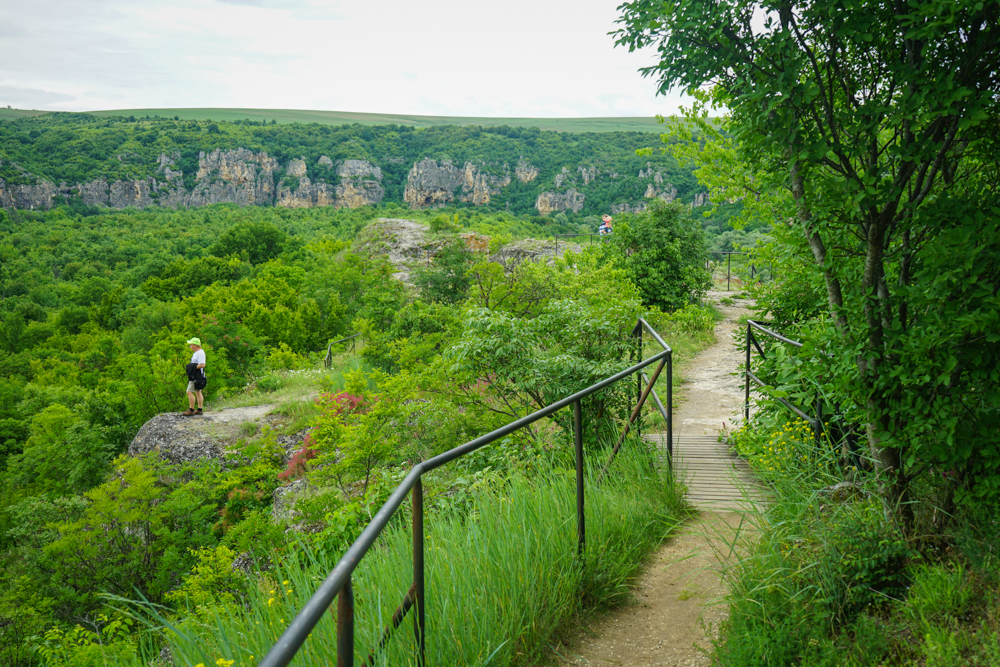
(299, 463)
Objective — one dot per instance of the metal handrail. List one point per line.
(338, 582)
(815, 422)
(729, 257)
(328, 359)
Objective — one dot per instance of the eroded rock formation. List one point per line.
(553, 202)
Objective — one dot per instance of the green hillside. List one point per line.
(285, 116)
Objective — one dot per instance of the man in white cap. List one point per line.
(196, 378)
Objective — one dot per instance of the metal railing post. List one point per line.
(729, 266)
(345, 626)
(419, 625)
(746, 379)
(581, 530)
(670, 408)
(638, 381)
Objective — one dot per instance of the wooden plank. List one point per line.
(715, 478)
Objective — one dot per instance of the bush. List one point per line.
(663, 252)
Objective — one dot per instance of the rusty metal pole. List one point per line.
(581, 530)
(670, 408)
(746, 379)
(419, 626)
(638, 382)
(345, 626)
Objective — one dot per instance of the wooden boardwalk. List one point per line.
(717, 480)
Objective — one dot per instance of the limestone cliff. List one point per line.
(432, 184)
(253, 178)
(553, 202)
(525, 171)
(360, 185)
(236, 176)
(657, 188)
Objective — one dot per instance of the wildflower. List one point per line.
(222, 662)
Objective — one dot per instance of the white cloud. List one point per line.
(523, 58)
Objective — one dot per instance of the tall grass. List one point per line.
(502, 578)
(831, 581)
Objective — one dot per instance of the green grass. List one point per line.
(13, 114)
(608, 124)
(502, 579)
(831, 581)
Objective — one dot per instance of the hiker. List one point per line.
(196, 378)
(605, 229)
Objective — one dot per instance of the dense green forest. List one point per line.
(94, 315)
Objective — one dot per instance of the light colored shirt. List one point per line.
(198, 357)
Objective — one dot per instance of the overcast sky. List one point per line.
(516, 58)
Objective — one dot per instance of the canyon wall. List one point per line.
(254, 178)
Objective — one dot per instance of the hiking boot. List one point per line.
(188, 412)
(199, 412)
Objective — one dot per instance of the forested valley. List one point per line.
(104, 552)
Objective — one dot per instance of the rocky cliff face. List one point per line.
(360, 185)
(553, 202)
(253, 178)
(525, 171)
(433, 184)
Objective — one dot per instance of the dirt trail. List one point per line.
(678, 604)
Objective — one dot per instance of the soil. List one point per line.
(679, 597)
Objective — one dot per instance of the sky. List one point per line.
(517, 58)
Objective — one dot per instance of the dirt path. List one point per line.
(678, 598)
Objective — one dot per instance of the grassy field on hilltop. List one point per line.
(630, 124)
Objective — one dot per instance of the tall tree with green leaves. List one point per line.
(881, 119)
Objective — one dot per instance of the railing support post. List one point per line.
(581, 530)
(729, 266)
(419, 626)
(345, 626)
(746, 379)
(638, 380)
(670, 408)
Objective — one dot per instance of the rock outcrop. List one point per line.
(24, 196)
(238, 176)
(180, 439)
(478, 186)
(553, 202)
(525, 171)
(657, 188)
(172, 437)
(432, 184)
(625, 207)
(360, 184)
